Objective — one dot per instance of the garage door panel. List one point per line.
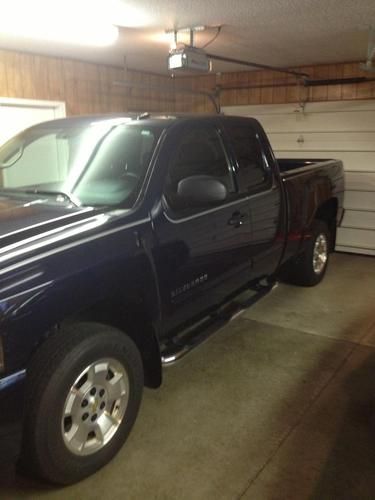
(356, 200)
(353, 161)
(332, 141)
(361, 238)
(359, 219)
(294, 107)
(360, 181)
(320, 122)
(354, 249)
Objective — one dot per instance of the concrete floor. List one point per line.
(280, 404)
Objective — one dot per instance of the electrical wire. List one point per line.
(213, 38)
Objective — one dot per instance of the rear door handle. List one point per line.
(238, 219)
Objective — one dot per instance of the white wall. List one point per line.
(15, 116)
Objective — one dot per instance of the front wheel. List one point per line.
(311, 266)
(84, 390)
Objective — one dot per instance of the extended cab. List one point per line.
(123, 243)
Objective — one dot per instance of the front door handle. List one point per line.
(238, 219)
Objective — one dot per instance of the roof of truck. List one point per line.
(151, 118)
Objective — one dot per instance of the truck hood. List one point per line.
(23, 216)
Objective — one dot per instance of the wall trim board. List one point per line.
(58, 106)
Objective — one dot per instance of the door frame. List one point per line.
(59, 107)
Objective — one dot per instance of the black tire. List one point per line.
(302, 271)
(52, 373)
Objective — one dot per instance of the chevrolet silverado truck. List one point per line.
(125, 242)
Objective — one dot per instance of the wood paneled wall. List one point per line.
(277, 89)
(88, 88)
(85, 87)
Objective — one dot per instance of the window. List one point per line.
(200, 152)
(99, 162)
(252, 174)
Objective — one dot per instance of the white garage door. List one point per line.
(18, 114)
(342, 130)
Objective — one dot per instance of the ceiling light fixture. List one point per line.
(127, 15)
(78, 22)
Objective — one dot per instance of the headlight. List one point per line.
(2, 364)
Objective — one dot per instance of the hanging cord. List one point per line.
(213, 38)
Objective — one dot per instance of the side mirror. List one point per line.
(201, 190)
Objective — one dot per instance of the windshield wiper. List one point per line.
(66, 196)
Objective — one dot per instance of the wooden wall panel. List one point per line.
(267, 87)
(85, 87)
(242, 96)
(88, 87)
(319, 93)
(349, 91)
(254, 94)
(334, 91)
(228, 97)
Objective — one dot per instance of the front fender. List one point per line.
(36, 296)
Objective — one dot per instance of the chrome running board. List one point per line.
(180, 345)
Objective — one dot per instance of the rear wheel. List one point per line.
(83, 394)
(311, 266)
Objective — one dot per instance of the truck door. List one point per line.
(258, 183)
(202, 252)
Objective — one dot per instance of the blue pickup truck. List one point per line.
(125, 242)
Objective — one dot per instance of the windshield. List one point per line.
(98, 163)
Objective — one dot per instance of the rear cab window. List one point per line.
(253, 172)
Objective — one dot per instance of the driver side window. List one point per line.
(199, 153)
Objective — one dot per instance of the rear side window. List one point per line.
(252, 174)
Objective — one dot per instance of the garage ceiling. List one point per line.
(275, 32)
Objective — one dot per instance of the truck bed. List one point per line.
(303, 178)
(287, 165)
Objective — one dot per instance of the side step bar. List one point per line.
(190, 338)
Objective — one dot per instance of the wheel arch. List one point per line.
(327, 212)
(132, 318)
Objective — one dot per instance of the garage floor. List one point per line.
(280, 404)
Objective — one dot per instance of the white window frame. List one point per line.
(58, 106)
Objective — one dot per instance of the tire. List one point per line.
(83, 392)
(311, 266)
